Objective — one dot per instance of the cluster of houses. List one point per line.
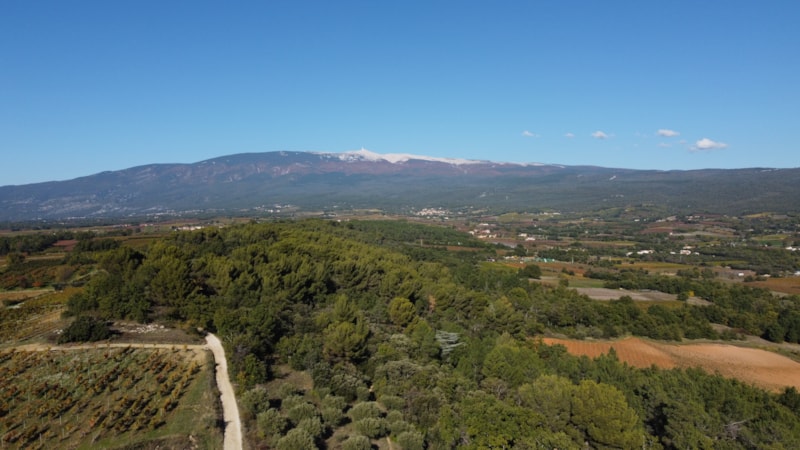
(433, 212)
(685, 251)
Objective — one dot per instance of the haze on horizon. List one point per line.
(94, 86)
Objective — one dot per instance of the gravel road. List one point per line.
(230, 411)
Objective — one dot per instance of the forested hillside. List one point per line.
(406, 331)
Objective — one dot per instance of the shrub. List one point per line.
(254, 401)
(364, 410)
(334, 401)
(370, 427)
(363, 393)
(332, 417)
(296, 439)
(291, 401)
(301, 412)
(285, 390)
(411, 440)
(313, 426)
(357, 442)
(392, 402)
(394, 416)
(399, 427)
(270, 423)
(85, 329)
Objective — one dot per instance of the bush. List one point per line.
(286, 390)
(334, 401)
(370, 427)
(85, 329)
(357, 443)
(411, 440)
(270, 423)
(296, 439)
(394, 416)
(331, 416)
(254, 401)
(363, 393)
(313, 426)
(398, 427)
(364, 410)
(291, 401)
(300, 412)
(392, 402)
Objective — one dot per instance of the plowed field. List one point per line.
(758, 367)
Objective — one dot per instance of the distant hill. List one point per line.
(252, 182)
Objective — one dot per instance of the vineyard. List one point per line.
(37, 316)
(103, 397)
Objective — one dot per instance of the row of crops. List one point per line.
(63, 398)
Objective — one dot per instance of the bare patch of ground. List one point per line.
(761, 368)
(152, 333)
(614, 294)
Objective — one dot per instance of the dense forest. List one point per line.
(407, 331)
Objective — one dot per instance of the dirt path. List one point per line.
(230, 411)
(43, 347)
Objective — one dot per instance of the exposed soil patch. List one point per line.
(761, 368)
(614, 294)
(152, 333)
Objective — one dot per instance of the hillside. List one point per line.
(359, 334)
(261, 183)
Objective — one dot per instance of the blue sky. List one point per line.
(87, 86)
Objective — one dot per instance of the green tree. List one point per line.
(346, 340)
(512, 362)
(551, 396)
(531, 271)
(401, 311)
(602, 413)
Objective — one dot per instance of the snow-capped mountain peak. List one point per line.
(394, 158)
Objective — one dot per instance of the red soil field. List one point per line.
(761, 368)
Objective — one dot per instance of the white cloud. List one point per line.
(527, 133)
(663, 132)
(600, 135)
(707, 144)
(569, 135)
(664, 145)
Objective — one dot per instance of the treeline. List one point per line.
(763, 260)
(440, 354)
(750, 310)
(31, 243)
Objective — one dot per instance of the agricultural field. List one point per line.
(104, 396)
(785, 285)
(600, 293)
(762, 368)
(31, 314)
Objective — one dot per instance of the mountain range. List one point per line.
(252, 183)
